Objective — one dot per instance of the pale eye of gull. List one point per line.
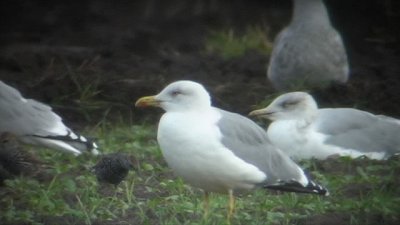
(175, 93)
(290, 103)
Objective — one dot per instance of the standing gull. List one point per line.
(220, 151)
(303, 131)
(309, 53)
(35, 123)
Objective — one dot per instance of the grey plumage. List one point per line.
(356, 129)
(309, 52)
(35, 123)
(303, 131)
(250, 142)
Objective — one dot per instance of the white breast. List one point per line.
(190, 143)
(301, 142)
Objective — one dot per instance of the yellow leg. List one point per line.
(231, 208)
(206, 205)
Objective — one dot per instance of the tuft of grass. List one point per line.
(87, 88)
(230, 44)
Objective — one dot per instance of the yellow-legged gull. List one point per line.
(220, 151)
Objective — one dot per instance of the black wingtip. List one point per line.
(79, 142)
(318, 189)
(294, 186)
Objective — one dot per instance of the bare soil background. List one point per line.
(126, 49)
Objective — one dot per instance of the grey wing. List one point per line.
(26, 116)
(280, 67)
(46, 121)
(356, 129)
(330, 54)
(36, 123)
(249, 142)
(8, 93)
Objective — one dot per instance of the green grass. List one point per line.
(230, 44)
(70, 194)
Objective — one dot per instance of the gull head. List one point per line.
(178, 96)
(289, 106)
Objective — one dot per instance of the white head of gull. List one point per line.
(303, 131)
(309, 52)
(220, 151)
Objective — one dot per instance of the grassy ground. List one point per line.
(66, 192)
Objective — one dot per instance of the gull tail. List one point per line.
(71, 142)
(295, 186)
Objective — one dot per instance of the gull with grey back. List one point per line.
(309, 52)
(219, 151)
(303, 131)
(35, 123)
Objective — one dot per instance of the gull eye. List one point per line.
(287, 104)
(175, 93)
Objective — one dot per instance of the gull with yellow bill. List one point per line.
(219, 151)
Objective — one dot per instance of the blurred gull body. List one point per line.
(35, 123)
(309, 52)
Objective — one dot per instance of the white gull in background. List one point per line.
(303, 131)
(220, 151)
(309, 53)
(35, 123)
